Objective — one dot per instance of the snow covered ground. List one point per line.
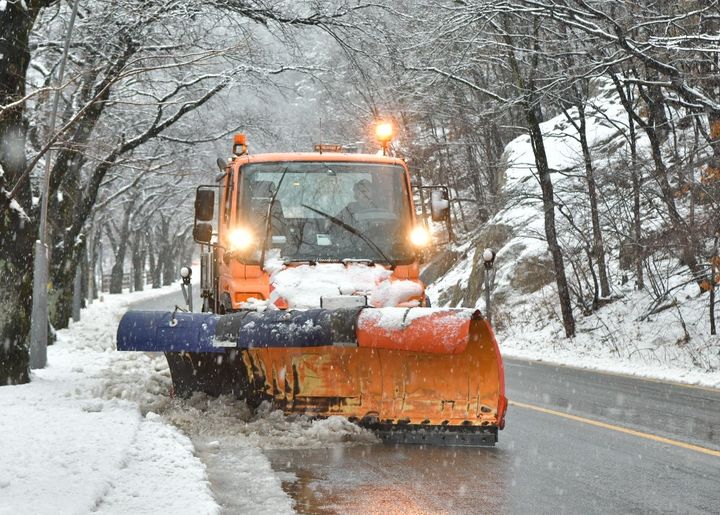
(69, 447)
(97, 431)
(673, 344)
(636, 332)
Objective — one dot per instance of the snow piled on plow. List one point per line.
(145, 380)
(230, 420)
(302, 286)
(396, 319)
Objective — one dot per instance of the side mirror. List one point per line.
(202, 232)
(439, 205)
(204, 205)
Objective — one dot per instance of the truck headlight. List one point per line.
(419, 236)
(240, 239)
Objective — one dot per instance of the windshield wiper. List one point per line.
(354, 231)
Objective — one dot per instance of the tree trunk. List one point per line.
(598, 248)
(656, 131)
(60, 297)
(116, 276)
(680, 228)
(637, 219)
(17, 235)
(138, 261)
(101, 267)
(77, 295)
(548, 197)
(714, 278)
(17, 231)
(84, 277)
(533, 117)
(626, 97)
(168, 266)
(154, 261)
(92, 260)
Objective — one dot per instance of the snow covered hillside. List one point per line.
(661, 331)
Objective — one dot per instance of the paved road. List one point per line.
(544, 462)
(576, 441)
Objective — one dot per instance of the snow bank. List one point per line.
(614, 340)
(67, 450)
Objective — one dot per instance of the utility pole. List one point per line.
(39, 317)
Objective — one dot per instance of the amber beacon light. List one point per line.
(384, 132)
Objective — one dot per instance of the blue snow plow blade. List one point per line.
(156, 331)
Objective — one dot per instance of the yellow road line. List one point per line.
(619, 429)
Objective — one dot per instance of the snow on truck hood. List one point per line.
(302, 286)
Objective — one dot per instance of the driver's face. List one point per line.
(362, 194)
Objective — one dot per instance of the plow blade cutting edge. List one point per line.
(415, 375)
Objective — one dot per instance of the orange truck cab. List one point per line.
(290, 209)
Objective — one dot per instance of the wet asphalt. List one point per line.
(625, 445)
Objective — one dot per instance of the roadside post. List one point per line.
(489, 259)
(39, 316)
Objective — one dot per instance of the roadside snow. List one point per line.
(112, 440)
(615, 339)
(65, 449)
(230, 440)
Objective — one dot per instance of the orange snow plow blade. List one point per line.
(415, 375)
(434, 379)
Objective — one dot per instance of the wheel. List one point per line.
(208, 304)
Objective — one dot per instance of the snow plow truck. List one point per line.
(312, 301)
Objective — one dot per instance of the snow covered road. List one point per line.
(96, 432)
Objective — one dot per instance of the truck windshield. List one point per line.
(318, 204)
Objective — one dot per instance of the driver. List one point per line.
(363, 193)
